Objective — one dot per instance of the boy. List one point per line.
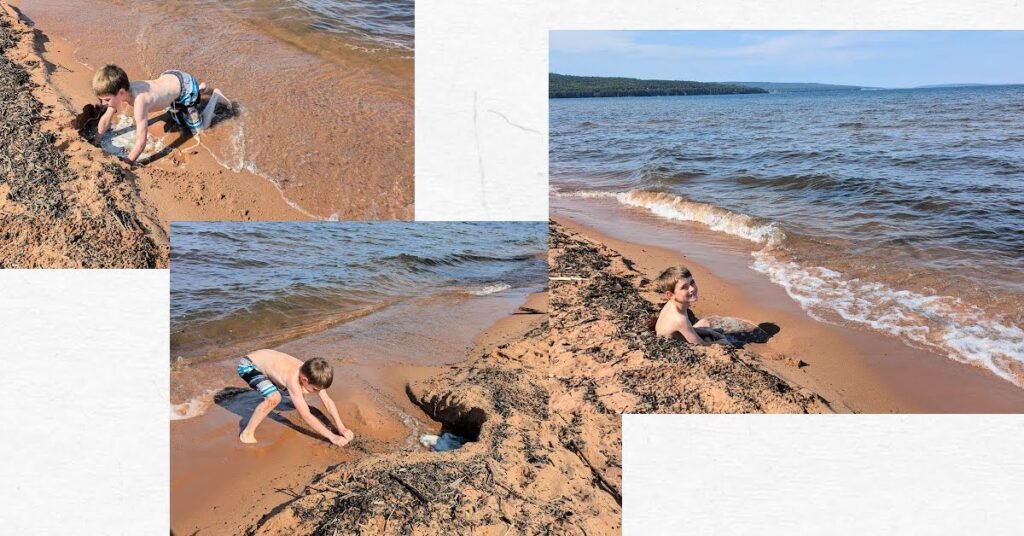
(176, 91)
(269, 371)
(675, 319)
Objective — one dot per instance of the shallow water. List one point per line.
(324, 88)
(895, 210)
(241, 282)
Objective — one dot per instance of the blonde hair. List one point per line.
(110, 79)
(318, 371)
(666, 282)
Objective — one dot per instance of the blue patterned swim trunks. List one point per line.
(255, 378)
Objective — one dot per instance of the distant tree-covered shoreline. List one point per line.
(567, 86)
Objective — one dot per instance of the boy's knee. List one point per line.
(273, 398)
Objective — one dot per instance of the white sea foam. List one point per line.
(941, 323)
(489, 289)
(673, 207)
(192, 407)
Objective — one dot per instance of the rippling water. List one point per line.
(235, 283)
(900, 210)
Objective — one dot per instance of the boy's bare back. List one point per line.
(155, 94)
(281, 368)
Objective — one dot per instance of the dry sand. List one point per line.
(853, 370)
(62, 204)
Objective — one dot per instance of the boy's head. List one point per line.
(111, 85)
(317, 374)
(676, 283)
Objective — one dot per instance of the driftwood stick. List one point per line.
(411, 488)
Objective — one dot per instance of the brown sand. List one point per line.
(852, 369)
(59, 206)
(530, 470)
(526, 472)
(99, 212)
(345, 152)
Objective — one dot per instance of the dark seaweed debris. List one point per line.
(45, 219)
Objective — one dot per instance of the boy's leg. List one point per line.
(260, 413)
(211, 106)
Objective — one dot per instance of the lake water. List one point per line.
(901, 211)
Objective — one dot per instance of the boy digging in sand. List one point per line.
(676, 319)
(269, 371)
(176, 91)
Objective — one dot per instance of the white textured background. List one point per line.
(84, 354)
(818, 475)
(481, 79)
(84, 383)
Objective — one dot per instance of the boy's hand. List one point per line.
(341, 440)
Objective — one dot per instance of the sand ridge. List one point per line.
(59, 206)
(529, 470)
(608, 357)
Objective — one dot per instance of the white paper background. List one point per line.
(811, 475)
(85, 402)
(84, 353)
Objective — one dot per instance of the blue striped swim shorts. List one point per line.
(255, 378)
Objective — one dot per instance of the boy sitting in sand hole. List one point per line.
(270, 371)
(676, 320)
(175, 91)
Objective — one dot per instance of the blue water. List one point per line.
(898, 210)
(242, 282)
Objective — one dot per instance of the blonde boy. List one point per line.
(676, 320)
(176, 91)
(270, 371)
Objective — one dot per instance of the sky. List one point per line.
(864, 58)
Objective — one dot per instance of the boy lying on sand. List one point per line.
(676, 320)
(269, 371)
(176, 91)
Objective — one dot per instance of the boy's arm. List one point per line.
(332, 410)
(689, 333)
(101, 127)
(300, 405)
(141, 129)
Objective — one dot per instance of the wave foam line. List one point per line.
(192, 407)
(673, 207)
(942, 323)
(489, 289)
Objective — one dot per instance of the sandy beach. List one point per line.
(59, 221)
(842, 368)
(292, 483)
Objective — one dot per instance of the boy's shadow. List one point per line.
(87, 122)
(242, 402)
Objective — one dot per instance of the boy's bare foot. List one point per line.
(247, 438)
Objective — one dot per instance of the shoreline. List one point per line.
(343, 151)
(856, 370)
(373, 399)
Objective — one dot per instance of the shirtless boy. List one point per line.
(269, 371)
(176, 91)
(676, 320)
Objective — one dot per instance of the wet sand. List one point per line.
(855, 370)
(219, 485)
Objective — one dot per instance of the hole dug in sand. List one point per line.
(461, 422)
